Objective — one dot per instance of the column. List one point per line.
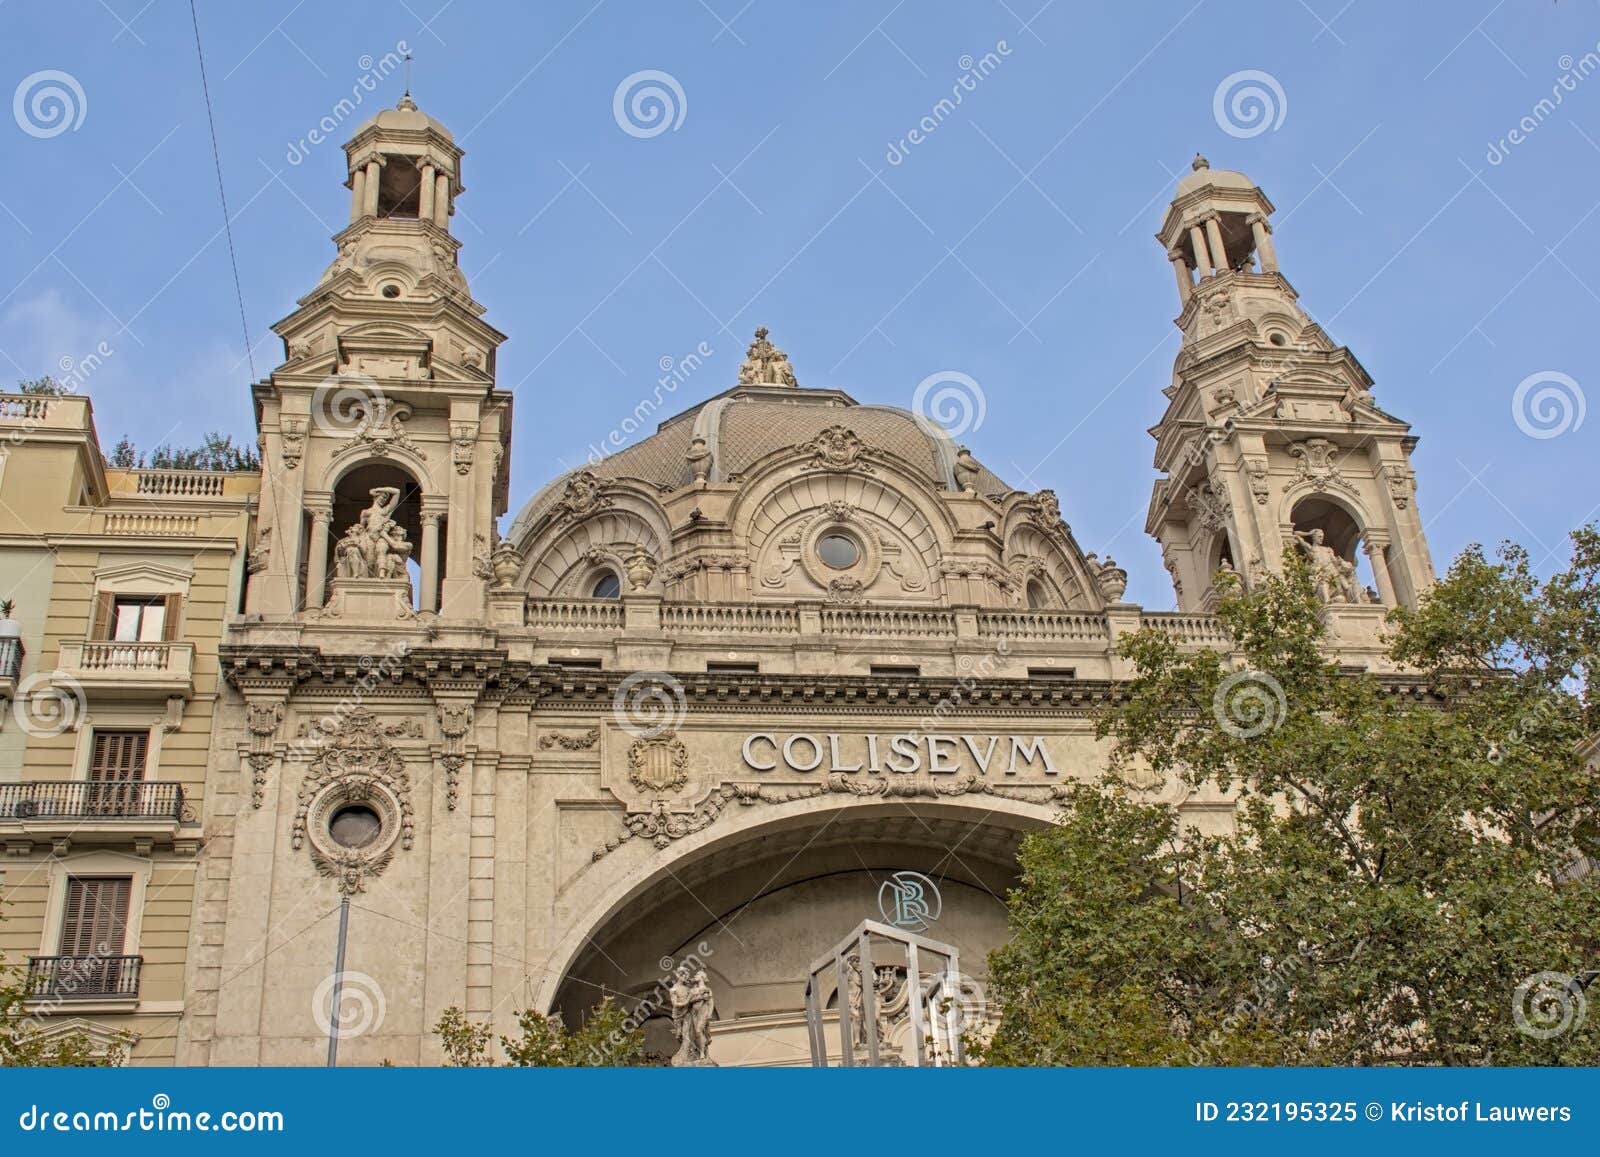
(373, 169)
(1262, 233)
(317, 561)
(358, 194)
(1219, 254)
(1380, 570)
(1202, 259)
(1185, 281)
(430, 560)
(425, 192)
(441, 201)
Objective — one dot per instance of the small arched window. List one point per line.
(607, 586)
(1038, 598)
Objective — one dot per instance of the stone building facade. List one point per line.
(704, 697)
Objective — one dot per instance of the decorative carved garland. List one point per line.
(356, 764)
(568, 741)
(262, 720)
(455, 720)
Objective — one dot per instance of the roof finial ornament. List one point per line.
(406, 102)
(765, 364)
(1199, 163)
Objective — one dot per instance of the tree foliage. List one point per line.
(606, 1038)
(44, 385)
(216, 452)
(24, 1041)
(1410, 876)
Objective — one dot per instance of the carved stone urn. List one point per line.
(641, 568)
(506, 562)
(1112, 580)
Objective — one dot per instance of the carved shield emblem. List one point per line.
(658, 764)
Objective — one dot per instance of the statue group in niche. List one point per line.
(375, 546)
(1333, 577)
(692, 1011)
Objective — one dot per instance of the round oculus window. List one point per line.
(839, 551)
(355, 826)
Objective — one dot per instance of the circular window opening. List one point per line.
(1278, 339)
(355, 826)
(607, 586)
(391, 290)
(838, 551)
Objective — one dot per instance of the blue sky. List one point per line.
(1013, 244)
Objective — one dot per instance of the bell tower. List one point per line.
(384, 440)
(1272, 436)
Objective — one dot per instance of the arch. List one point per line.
(623, 880)
(566, 552)
(900, 545)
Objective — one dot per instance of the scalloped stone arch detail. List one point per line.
(1072, 587)
(565, 553)
(868, 502)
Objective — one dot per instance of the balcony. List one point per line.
(128, 812)
(83, 978)
(128, 670)
(11, 653)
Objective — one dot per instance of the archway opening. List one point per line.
(1319, 520)
(755, 913)
(354, 494)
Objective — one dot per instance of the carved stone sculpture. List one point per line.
(375, 547)
(692, 1011)
(966, 471)
(1333, 578)
(765, 364)
(641, 568)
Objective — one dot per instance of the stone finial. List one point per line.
(407, 104)
(765, 364)
(1199, 163)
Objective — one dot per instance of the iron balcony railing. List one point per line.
(11, 659)
(84, 977)
(92, 799)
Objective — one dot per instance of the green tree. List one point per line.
(216, 452)
(23, 1041)
(1411, 877)
(606, 1038)
(44, 385)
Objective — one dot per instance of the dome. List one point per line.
(1204, 175)
(406, 117)
(771, 491)
(748, 423)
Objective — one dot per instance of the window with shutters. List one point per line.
(94, 930)
(116, 773)
(95, 922)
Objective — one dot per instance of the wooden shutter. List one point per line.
(169, 623)
(96, 919)
(105, 613)
(119, 755)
